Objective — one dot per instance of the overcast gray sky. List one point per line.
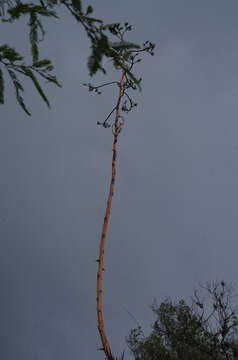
(174, 219)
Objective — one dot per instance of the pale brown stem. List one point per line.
(116, 129)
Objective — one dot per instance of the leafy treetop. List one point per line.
(207, 329)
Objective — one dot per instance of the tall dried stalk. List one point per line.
(128, 55)
(116, 130)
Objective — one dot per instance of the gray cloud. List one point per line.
(174, 218)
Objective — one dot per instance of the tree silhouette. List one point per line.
(207, 329)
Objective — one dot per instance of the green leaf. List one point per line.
(89, 10)
(77, 5)
(9, 53)
(1, 87)
(48, 77)
(34, 37)
(124, 45)
(42, 63)
(18, 89)
(28, 72)
(99, 49)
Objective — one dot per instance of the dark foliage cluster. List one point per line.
(100, 35)
(207, 329)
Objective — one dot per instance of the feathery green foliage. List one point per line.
(9, 54)
(18, 89)
(28, 72)
(13, 63)
(102, 38)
